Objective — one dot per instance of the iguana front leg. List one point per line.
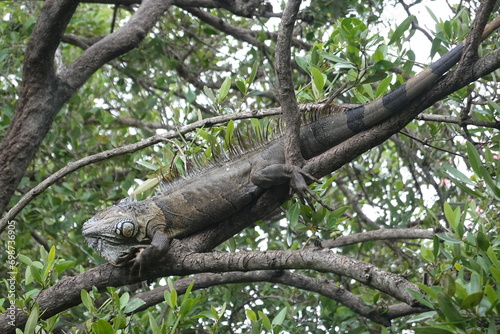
(145, 257)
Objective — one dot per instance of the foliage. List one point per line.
(433, 175)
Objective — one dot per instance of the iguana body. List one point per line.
(119, 231)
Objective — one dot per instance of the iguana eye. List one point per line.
(125, 228)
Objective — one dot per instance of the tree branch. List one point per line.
(117, 43)
(477, 33)
(239, 33)
(458, 120)
(380, 234)
(322, 286)
(40, 97)
(291, 114)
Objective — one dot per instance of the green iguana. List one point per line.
(121, 231)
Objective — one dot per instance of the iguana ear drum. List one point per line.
(125, 228)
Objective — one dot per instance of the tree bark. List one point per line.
(40, 99)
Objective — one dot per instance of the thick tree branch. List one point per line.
(40, 97)
(291, 114)
(477, 33)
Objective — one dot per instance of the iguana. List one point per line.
(120, 231)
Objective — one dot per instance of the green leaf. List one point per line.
(63, 265)
(448, 283)
(224, 90)
(24, 259)
(103, 327)
(293, 214)
(474, 159)
(314, 56)
(133, 305)
(431, 330)
(382, 65)
(491, 185)
(421, 317)
(467, 189)
(242, 86)
(124, 298)
(400, 30)
(448, 308)
(36, 273)
(449, 214)
(86, 300)
(482, 241)
(146, 185)
(495, 272)
(493, 257)
(148, 165)
(457, 174)
(52, 254)
(265, 320)
(171, 298)
(215, 314)
(449, 239)
(32, 320)
(421, 298)
(152, 323)
(303, 63)
(255, 68)
(382, 87)
(431, 13)
(209, 93)
(28, 276)
(472, 300)
(251, 315)
(454, 219)
(280, 317)
(50, 262)
(435, 246)
(426, 253)
(318, 82)
(491, 294)
(340, 211)
(333, 58)
(231, 244)
(229, 132)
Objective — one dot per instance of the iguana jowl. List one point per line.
(119, 231)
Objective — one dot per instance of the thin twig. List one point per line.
(458, 120)
(427, 144)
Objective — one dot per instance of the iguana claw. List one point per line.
(147, 256)
(299, 185)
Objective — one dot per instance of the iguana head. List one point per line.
(120, 231)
